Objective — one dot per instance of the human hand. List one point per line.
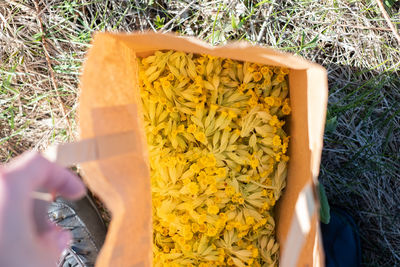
(27, 237)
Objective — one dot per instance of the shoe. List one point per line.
(88, 230)
(341, 240)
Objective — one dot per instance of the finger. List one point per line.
(31, 172)
(40, 217)
(57, 238)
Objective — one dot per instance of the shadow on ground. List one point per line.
(361, 158)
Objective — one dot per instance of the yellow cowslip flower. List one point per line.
(165, 83)
(202, 218)
(211, 231)
(284, 71)
(186, 181)
(235, 199)
(221, 259)
(230, 190)
(254, 163)
(191, 128)
(278, 79)
(185, 218)
(211, 161)
(250, 68)
(277, 102)
(266, 71)
(223, 216)
(269, 100)
(171, 217)
(187, 247)
(274, 121)
(200, 136)
(286, 109)
(276, 141)
(217, 155)
(202, 228)
(180, 128)
(286, 102)
(285, 158)
(188, 235)
(170, 77)
(231, 207)
(192, 188)
(241, 88)
(195, 167)
(284, 147)
(249, 220)
(213, 209)
(254, 252)
(166, 249)
(257, 76)
(195, 227)
(210, 180)
(221, 172)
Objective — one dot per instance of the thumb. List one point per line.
(56, 239)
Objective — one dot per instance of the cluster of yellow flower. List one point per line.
(217, 157)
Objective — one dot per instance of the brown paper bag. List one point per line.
(110, 105)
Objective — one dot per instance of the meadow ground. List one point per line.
(43, 44)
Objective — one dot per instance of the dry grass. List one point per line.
(350, 38)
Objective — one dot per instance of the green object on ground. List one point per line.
(325, 215)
